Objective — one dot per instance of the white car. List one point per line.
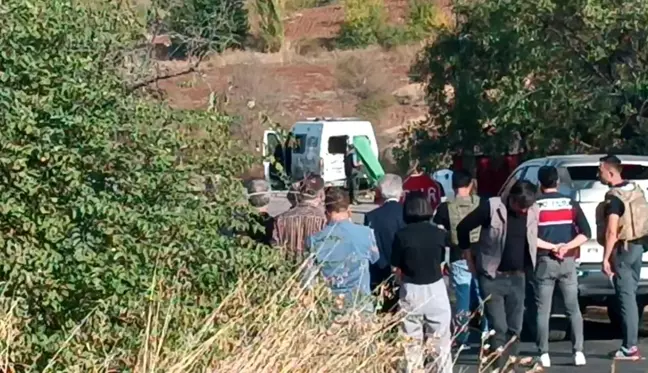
(578, 178)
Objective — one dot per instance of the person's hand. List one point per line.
(467, 255)
(445, 269)
(607, 268)
(563, 250)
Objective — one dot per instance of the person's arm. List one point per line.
(396, 259)
(614, 212)
(478, 217)
(310, 267)
(583, 229)
(276, 238)
(374, 253)
(356, 162)
(442, 217)
(544, 245)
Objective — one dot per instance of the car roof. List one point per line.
(583, 159)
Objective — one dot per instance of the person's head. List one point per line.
(336, 204)
(415, 167)
(521, 196)
(311, 189)
(462, 182)
(610, 170)
(417, 208)
(390, 187)
(258, 193)
(548, 177)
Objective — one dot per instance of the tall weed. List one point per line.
(269, 14)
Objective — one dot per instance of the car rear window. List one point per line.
(590, 173)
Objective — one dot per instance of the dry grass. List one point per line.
(255, 329)
(369, 81)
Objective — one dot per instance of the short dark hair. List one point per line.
(548, 176)
(461, 179)
(417, 208)
(336, 200)
(523, 194)
(612, 161)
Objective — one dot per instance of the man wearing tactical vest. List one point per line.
(466, 289)
(625, 223)
(505, 253)
(562, 229)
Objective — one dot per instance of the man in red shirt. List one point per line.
(418, 180)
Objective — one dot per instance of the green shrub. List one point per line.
(364, 23)
(269, 14)
(97, 206)
(200, 26)
(424, 17)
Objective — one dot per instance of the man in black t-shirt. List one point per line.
(350, 171)
(621, 260)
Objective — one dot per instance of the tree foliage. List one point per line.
(200, 26)
(96, 199)
(561, 75)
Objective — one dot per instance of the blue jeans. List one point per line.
(468, 298)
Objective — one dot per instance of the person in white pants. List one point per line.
(417, 254)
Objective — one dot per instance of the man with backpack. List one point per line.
(448, 215)
(625, 222)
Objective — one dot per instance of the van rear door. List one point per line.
(334, 149)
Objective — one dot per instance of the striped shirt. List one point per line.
(293, 227)
(561, 220)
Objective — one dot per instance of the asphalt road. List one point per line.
(600, 338)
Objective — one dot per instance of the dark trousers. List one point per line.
(351, 186)
(504, 310)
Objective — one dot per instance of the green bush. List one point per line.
(271, 27)
(424, 17)
(97, 210)
(520, 72)
(200, 26)
(365, 23)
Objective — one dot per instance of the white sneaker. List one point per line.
(579, 359)
(545, 361)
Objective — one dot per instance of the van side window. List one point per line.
(509, 183)
(337, 144)
(532, 175)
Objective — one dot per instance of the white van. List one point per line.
(317, 145)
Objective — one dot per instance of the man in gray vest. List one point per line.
(505, 253)
(448, 215)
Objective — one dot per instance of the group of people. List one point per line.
(497, 247)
